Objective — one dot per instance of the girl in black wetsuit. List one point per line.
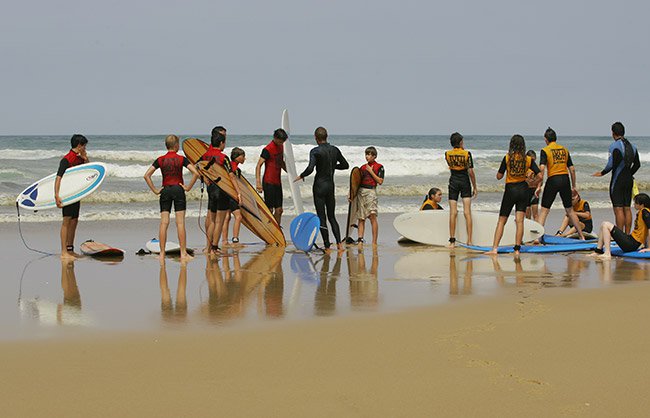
(325, 158)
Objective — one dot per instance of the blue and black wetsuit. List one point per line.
(623, 162)
(325, 158)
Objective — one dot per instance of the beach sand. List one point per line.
(552, 336)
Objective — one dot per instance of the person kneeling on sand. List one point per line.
(583, 212)
(627, 242)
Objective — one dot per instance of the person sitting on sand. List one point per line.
(172, 192)
(627, 242)
(432, 200)
(582, 210)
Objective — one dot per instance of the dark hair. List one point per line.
(280, 134)
(372, 151)
(550, 135)
(236, 152)
(642, 199)
(531, 154)
(432, 192)
(618, 129)
(217, 138)
(78, 139)
(455, 139)
(320, 134)
(517, 146)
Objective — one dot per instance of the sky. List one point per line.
(355, 67)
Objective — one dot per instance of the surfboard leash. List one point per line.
(20, 231)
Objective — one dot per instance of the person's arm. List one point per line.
(83, 155)
(472, 178)
(612, 161)
(502, 169)
(636, 164)
(195, 175)
(542, 167)
(572, 173)
(310, 167)
(537, 179)
(379, 178)
(341, 162)
(233, 178)
(147, 179)
(646, 220)
(258, 175)
(63, 165)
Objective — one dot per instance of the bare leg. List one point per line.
(543, 213)
(467, 208)
(628, 220)
(534, 211)
(375, 228)
(237, 224)
(277, 214)
(162, 234)
(182, 237)
(209, 228)
(218, 224)
(519, 234)
(498, 234)
(65, 230)
(619, 219)
(453, 214)
(604, 240)
(361, 227)
(574, 221)
(563, 226)
(226, 226)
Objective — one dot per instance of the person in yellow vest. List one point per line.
(462, 181)
(515, 166)
(533, 181)
(583, 212)
(627, 242)
(432, 200)
(556, 159)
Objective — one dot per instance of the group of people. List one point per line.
(524, 181)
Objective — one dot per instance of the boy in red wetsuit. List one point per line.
(372, 174)
(272, 158)
(76, 156)
(172, 192)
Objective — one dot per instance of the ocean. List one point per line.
(413, 164)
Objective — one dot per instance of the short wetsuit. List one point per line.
(583, 206)
(271, 183)
(639, 235)
(622, 181)
(459, 161)
(71, 159)
(171, 166)
(217, 199)
(325, 158)
(557, 160)
(517, 192)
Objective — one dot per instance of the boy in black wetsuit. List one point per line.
(76, 156)
(462, 181)
(325, 158)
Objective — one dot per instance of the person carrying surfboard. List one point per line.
(237, 156)
(172, 192)
(623, 162)
(462, 181)
(219, 201)
(325, 158)
(515, 165)
(557, 160)
(627, 242)
(272, 158)
(372, 175)
(432, 200)
(76, 156)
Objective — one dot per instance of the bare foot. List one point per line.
(594, 254)
(161, 257)
(451, 245)
(604, 256)
(491, 252)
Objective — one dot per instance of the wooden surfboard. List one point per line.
(98, 249)
(355, 181)
(256, 216)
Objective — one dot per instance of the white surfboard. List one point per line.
(171, 247)
(77, 182)
(290, 162)
(432, 227)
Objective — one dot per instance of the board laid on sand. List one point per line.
(171, 247)
(256, 216)
(355, 181)
(99, 250)
(632, 254)
(290, 163)
(432, 227)
(304, 231)
(538, 249)
(555, 240)
(77, 183)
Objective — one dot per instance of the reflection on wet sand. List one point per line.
(325, 297)
(454, 279)
(232, 286)
(169, 311)
(364, 283)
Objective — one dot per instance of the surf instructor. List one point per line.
(325, 158)
(76, 156)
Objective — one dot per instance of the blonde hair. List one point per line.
(171, 141)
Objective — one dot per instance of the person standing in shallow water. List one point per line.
(623, 162)
(325, 158)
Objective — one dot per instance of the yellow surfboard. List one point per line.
(256, 216)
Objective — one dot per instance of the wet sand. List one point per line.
(268, 332)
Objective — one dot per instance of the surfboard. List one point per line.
(632, 254)
(537, 249)
(171, 247)
(304, 231)
(256, 216)
(290, 163)
(353, 206)
(432, 227)
(99, 250)
(77, 183)
(555, 240)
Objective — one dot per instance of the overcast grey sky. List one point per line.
(356, 67)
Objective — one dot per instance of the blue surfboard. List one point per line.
(304, 267)
(304, 231)
(632, 254)
(557, 240)
(538, 249)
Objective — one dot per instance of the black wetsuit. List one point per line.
(325, 158)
